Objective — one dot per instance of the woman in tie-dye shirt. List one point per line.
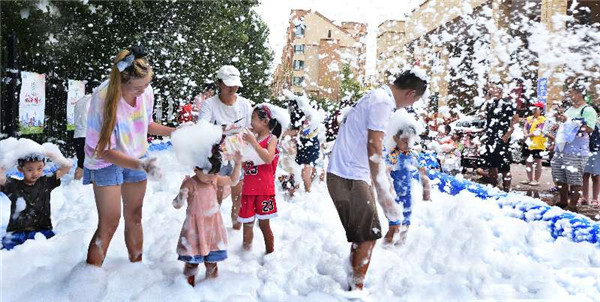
(119, 120)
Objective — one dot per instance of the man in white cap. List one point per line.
(234, 112)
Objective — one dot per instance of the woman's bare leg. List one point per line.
(108, 204)
(133, 199)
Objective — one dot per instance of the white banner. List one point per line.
(75, 93)
(32, 102)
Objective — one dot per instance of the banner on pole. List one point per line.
(32, 102)
(75, 93)
(542, 90)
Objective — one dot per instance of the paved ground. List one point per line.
(542, 191)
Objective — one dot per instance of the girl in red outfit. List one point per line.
(258, 190)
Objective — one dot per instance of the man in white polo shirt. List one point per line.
(357, 162)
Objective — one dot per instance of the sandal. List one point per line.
(595, 203)
(582, 201)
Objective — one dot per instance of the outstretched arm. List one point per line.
(426, 185)
(267, 155)
(234, 178)
(63, 163)
(378, 175)
(158, 129)
(184, 193)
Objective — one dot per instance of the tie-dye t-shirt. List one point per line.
(131, 129)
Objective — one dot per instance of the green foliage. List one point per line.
(186, 41)
(350, 89)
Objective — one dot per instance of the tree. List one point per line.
(350, 89)
(186, 41)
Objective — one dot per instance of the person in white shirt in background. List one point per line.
(233, 112)
(208, 91)
(80, 114)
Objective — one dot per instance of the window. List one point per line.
(299, 48)
(299, 30)
(297, 81)
(298, 65)
(329, 34)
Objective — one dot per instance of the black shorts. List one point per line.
(537, 154)
(79, 144)
(499, 157)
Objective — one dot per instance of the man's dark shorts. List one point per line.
(355, 203)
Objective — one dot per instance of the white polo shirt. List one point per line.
(350, 158)
(238, 114)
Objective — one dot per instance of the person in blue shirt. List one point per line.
(403, 167)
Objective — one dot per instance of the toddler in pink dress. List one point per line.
(203, 236)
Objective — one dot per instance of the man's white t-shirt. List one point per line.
(236, 116)
(80, 112)
(350, 158)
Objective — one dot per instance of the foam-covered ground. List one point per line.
(459, 248)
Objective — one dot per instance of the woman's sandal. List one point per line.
(582, 201)
(595, 203)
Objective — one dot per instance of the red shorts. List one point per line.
(259, 206)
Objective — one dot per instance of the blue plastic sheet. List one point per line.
(577, 228)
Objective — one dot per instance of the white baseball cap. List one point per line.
(230, 76)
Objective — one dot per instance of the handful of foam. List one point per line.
(234, 143)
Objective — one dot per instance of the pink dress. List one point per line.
(203, 236)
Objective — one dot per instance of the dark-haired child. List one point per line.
(203, 237)
(258, 191)
(30, 198)
(403, 165)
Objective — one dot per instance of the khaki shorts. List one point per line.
(355, 203)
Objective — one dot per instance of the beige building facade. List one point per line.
(315, 54)
(420, 42)
(390, 47)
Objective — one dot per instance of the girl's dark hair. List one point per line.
(215, 160)
(408, 80)
(274, 125)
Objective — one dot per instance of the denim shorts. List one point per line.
(212, 257)
(112, 175)
(227, 169)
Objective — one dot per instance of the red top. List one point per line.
(260, 180)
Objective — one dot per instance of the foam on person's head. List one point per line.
(193, 145)
(404, 123)
(14, 151)
(29, 158)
